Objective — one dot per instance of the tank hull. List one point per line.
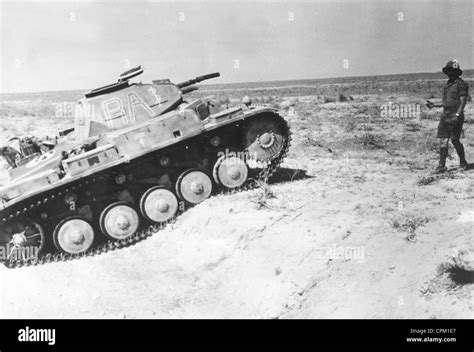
(118, 169)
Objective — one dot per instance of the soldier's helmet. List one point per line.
(452, 66)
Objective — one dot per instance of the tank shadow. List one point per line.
(461, 276)
(288, 175)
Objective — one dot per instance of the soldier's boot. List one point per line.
(462, 157)
(443, 154)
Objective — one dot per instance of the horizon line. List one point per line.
(252, 82)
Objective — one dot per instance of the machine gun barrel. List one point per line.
(198, 79)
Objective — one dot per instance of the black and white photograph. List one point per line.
(265, 159)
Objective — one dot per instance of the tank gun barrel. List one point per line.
(198, 79)
(189, 89)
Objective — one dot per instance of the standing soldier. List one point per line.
(455, 94)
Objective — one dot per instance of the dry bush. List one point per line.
(409, 223)
(450, 276)
(341, 97)
(365, 127)
(428, 180)
(328, 99)
(412, 126)
(265, 193)
(372, 140)
(368, 111)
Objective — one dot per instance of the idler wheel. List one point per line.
(158, 204)
(73, 235)
(230, 172)
(263, 138)
(21, 239)
(119, 221)
(193, 186)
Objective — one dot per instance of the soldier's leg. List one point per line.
(460, 150)
(455, 139)
(443, 135)
(443, 154)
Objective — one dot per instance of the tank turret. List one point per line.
(123, 104)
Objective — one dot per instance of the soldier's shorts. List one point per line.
(450, 126)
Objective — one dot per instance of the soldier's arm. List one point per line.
(463, 100)
(431, 105)
(463, 93)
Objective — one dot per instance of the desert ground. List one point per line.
(353, 225)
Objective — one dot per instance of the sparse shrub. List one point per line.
(372, 140)
(409, 223)
(328, 99)
(412, 126)
(364, 127)
(265, 193)
(368, 111)
(343, 97)
(449, 276)
(427, 180)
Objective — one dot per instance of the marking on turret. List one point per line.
(83, 111)
(153, 93)
(134, 101)
(113, 108)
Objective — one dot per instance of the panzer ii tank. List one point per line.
(138, 155)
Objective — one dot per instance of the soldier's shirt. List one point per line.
(452, 92)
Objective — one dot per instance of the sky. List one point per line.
(52, 45)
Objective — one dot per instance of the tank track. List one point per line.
(143, 233)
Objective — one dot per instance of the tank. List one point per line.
(137, 156)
